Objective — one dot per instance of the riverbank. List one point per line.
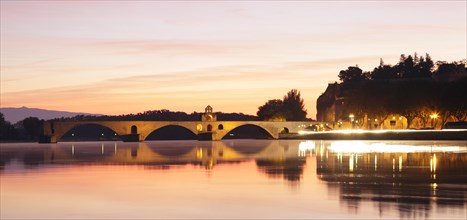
(454, 134)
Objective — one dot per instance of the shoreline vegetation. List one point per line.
(415, 93)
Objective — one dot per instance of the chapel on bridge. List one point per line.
(208, 114)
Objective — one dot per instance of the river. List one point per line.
(234, 179)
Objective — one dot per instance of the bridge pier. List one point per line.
(206, 136)
(48, 139)
(131, 138)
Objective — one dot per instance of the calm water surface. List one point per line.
(251, 179)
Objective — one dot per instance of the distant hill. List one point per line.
(14, 115)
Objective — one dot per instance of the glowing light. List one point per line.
(351, 163)
(433, 163)
(321, 153)
(400, 163)
(304, 147)
(376, 162)
(199, 153)
(361, 131)
(199, 127)
(368, 147)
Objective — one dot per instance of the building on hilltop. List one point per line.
(330, 104)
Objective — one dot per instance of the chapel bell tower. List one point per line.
(208, 115)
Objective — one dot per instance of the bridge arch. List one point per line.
(243, 125)
(102, 131)
(284, 130)
(169, 131)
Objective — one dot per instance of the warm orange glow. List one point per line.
(236, 56)
(361, 131)
(400, 163)
(367, 147)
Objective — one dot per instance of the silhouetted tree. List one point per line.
(384, 72)
(448, 70)
(381, 94)
(271, 110)
(353, 74)
(7, 131)
(161, 115)
(293, 106)
(425, 66)
(414, 67)
(31, 126)
(457, 100)
(407, 67)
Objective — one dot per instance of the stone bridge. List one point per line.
(53, 131)
(206, 129)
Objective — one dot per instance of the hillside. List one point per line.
(14, 115)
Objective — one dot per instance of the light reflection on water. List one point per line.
(234, 179)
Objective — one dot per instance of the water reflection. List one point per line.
(410, 178)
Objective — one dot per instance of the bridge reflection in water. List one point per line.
(411, 177)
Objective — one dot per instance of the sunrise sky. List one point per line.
(118, 57)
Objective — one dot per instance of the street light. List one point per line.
(433, 117)
(392, 122)
(351, 116)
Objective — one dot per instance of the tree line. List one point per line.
(161, 115)
(290, 108)
(415, 88)
(26, 129)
